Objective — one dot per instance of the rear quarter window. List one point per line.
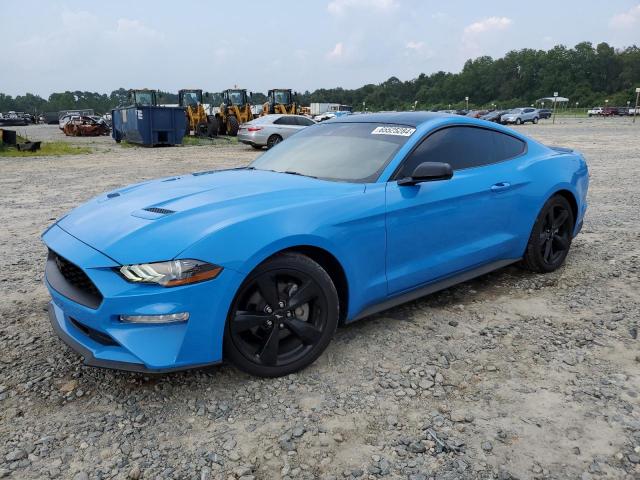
(507, 147)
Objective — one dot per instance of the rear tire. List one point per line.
(551, 236)
(282, 318)
(201, 129)
(518, 121)
(273, 140)
(212, 129)
(535, 120)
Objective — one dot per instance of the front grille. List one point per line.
(95, 335)
(161, 211)
(75, 276)
(71, 281)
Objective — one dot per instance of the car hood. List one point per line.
(156, 220)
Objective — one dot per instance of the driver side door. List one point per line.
(440, 228)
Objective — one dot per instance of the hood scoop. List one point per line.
(152, 213)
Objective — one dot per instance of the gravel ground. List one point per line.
(512, 375)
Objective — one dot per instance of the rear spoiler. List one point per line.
(561, 149)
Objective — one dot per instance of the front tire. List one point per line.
(535, 120)
(551, 236)
(282, 318)
(518, 121)
(212, 128)
(232, 126)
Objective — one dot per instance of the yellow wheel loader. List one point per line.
(280, 100)
(234, 110)
(198, 121)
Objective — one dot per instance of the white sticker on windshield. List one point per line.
(399, 131)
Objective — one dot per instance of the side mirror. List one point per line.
(428, 172)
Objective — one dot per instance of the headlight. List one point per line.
(171, 273)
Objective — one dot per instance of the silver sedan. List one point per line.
(270, 130)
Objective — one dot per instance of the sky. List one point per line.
(52, 46)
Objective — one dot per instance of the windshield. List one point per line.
(281, 96)
(236, 98)
(190, 99)
(144, 98)
(352, 152)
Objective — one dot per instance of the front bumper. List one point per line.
(103, 340)
(62, 328)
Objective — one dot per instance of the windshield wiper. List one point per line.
(290, 172)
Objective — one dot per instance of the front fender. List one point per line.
(350, 229)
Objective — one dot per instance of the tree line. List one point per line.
(586, 74)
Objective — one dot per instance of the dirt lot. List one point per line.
(516, 375)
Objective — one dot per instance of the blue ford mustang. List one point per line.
(342, 220)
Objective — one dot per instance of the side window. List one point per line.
(284, 121)
(460, 147)
(507, 146)
(305, 122)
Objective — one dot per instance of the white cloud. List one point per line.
(478, 36)
(415, 46)
(337, 52)
(341, 7)
(487, 25)
(627, 19)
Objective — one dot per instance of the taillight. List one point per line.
(255, 129)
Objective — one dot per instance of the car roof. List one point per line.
(412, 119)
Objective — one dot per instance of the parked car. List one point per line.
(86, 126)
(476, 113)
(595, 111)
(342, 220)
(610, 111)
(15, 119)
(62, 121)
(520, 115)
(494, 116)
(545, 113)
(329, 115)
(270, 130)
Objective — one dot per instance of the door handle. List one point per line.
(500, 187)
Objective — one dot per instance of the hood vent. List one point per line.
(159, 211)
(152, 213)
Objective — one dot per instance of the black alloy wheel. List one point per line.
(551, 237)
(283, 316)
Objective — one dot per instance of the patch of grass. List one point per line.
(216, 141)
(46, 149)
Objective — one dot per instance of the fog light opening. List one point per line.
(169, 318)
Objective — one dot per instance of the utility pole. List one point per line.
(555, 102)
(635, 110)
